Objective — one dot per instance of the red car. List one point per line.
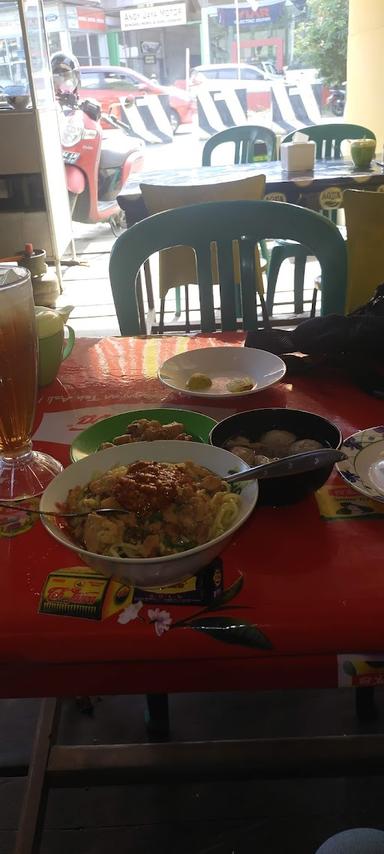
(108, 83)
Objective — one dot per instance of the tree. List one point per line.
(321, 39)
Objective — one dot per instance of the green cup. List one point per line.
(362, 152)
(52, 350)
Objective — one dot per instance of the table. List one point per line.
(315, 588)
(305, 589)
(321, 189)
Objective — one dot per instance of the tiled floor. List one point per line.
(253, 817)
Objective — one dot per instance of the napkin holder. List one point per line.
(298, 155)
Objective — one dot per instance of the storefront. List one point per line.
(76, 29)
(264, 33)
(154, 40)
(87, 31)
(12, 61)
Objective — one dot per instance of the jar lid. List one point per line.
(48, 321)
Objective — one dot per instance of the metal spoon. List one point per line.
(294, 464)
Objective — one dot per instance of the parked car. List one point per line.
(269, 69)
(226, 76)
(296, 74)
(108, 83)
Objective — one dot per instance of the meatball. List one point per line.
(198, 381)
(261, 460)
(246, 454)
(303, 445)
(276, 443)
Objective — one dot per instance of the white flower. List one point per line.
(161, 619)
(130, 613)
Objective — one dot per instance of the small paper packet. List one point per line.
(339, 501)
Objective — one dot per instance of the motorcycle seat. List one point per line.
(115, 148)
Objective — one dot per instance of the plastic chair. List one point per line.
(243, 137)
(199, 226)
(177, 266)
(328, 139)
(364, 216)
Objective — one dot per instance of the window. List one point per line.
(91, 80)
(114, 80)
(80, 48)
(133, 81)
(227, 74)
(210, 74)
(251, 74)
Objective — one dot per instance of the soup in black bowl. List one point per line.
(264, 434)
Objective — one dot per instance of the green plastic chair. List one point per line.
(328, 139)
(199, 226)
(244, 137)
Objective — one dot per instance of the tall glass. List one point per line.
(23, 472)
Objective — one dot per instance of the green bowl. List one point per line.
(88, 441)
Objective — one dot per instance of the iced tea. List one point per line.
(18, 363)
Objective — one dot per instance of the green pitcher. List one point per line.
(53, 347)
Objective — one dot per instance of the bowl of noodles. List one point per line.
(178, 512)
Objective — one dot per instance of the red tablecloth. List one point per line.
(314, 587)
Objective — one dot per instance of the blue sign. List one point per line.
(263, 15)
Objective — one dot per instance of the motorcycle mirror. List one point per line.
(91, 109)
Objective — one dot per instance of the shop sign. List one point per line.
(90, 19)
(148, 17)
(52, 19)
(151, 47)
(266, 14)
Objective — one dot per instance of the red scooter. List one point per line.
(98, 162)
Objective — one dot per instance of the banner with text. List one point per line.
(148, 17)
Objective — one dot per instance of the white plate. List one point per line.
(222, 364)
(364, 467)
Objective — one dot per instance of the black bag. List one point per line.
(355, 341)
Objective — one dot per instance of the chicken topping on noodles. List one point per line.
(149, 430)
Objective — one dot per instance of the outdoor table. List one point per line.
(321, 189)
(314, 586)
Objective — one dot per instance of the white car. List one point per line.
(226, 76)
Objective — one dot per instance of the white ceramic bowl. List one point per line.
(157, 571)
(222, 364)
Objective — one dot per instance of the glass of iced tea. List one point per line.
(23, 471)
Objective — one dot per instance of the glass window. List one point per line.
(251, 74)
(38, 53)
(114, 80)
(94, 49)
(54, 42)
(80, 48)
(91, 80)
(227, 74)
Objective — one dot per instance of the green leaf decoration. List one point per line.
(231, 630)
(227, 595)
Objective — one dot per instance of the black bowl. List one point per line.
(305, 425)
